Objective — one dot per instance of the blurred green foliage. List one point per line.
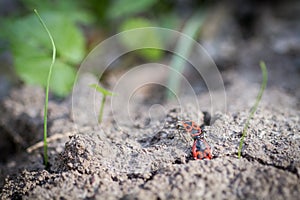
(143, 38)
(74, 10)
(127, 8)
(31, 50)
(69, 21)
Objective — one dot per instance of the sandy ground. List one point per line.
(139, 162)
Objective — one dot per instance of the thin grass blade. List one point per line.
(47, 87)
(254, 108)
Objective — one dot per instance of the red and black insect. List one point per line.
(201, 149)
(192, 128)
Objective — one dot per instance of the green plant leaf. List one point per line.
(70, 42)
(34, 70)
(102, 90)
(31, 50)
(142, 39)
(27, 37)
(121, 8)
(62, 80)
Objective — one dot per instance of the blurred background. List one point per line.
(237, 35)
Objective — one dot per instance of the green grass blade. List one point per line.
(254, 108)
(47, 88)
(100, 116)
(183, 48)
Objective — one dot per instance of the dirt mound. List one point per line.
(138, 162)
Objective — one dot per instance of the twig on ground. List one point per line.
(55, 137)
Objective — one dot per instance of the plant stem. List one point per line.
(101, 109)
(47, 88)
(254, 108)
